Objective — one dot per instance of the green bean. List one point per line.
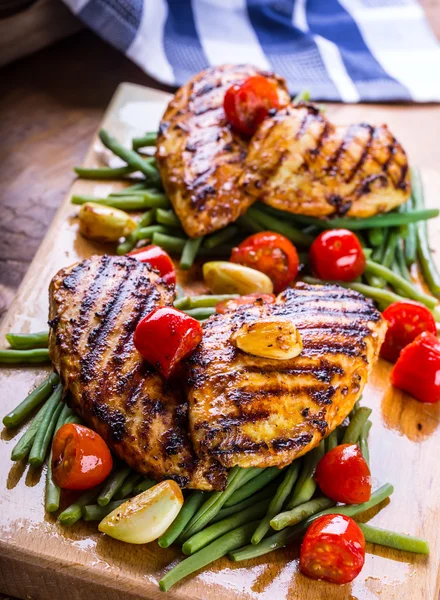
(131, 158)
(167, 217)
(171, 244)
(112, 485)
(400, 260)
(208, 300)
(200, 313)
(385, 220)
(218, 548)
(189, 252)
(390, 250)
(305, 486)
(302, 96)
(254, 485)
(128, 486)
(13, 357)
(130, 241)
(300, 512)
(72, 513)
(74, 419)
(137, 187)
(277, 501)
(353, 431)
(146, 233)
(188, 510)
(273, 224)
(53, 492)
(250, 473)
(332, 440)
(401, 283)
(428, 267)
(211, 533)
(28, 341)
(46, 428)
(247, 223)
(143, 486)
(221, 237)
(182, 303)
(375, 236)
(151, 198)
(264, 494)
(411, 238)
(385, 297)
(24, 444)
(212, 505)
(34, 399)
(104, 172)
(121, 202)
(392, 539)
(284, 537)
(149, 139)
(363, 440)
(95, 512)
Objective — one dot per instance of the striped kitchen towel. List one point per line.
(349, 50)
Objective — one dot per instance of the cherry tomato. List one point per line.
(158, 259)
(247, 104)
(343, 475)
(232, 304)
(417, 370)
(333, 549)
(80, 458)
(337, 255)
(166, 336)
(270, 253)
(406, 320)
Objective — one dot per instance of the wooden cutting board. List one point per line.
(41, 559)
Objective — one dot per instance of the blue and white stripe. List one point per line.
(349, 50)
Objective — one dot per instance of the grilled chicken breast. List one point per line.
(199, 156)
(301, 163)
(94, 309)
(251, 411)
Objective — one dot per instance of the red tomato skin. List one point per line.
(249, 299)
(80, 458)
(406, 320)
(333, 549)
(157, 258)
(337, 255)
(272, 254)
(417, 370)
(343, 475)
(165, 337)
(247, 104)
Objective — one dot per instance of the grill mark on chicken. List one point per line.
(332, 163)
(251, 411)
(142, 418)
(365, 152)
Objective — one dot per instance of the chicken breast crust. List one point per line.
(259, 412)
(301, 163)
(199, 156)
(95, 306)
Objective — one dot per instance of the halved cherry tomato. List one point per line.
(337, 255)
(247, 104)
(406, 320)
(158, 259)
(333, 549)
(80, 458)
(417, 370)
(166, 336)
(343, 475)
(232, 304)
(270, 253)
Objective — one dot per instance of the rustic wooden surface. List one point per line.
(40, 559)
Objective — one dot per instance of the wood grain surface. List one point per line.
(40, 559)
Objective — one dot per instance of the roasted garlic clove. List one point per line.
(224, 277)
(104, 223)
(275, 338)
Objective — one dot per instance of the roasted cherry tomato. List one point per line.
(417, 370)
(343, 475)
(80, 458)
(158, 259)
(247, 104)
(234, 303)
(333, 549)
(165, 337)
(270, 253)
(406, 320)
(337, 255)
